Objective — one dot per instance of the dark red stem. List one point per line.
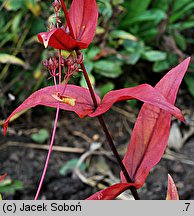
(100, 118)
(67, 18)
(108, 136)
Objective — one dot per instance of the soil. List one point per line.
(23, 162)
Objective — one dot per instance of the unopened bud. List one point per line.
(51, 64)
(69, 61)
(79, 57)
(56, 4)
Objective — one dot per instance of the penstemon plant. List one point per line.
(151, 130)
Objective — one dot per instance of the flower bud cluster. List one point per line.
(72, 63)
(52, 64)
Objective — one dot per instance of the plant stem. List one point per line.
(49, 154)
(108, 136)
(60, 72)
(55, 125)
(100, 118)
(67, 18)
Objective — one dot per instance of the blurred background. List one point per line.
(136, 42)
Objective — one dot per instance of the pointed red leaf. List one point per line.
(47, 97)
(59, 39)
(111, 192)
(83, 16)
(172, 193)
(144, 92)
(3, 176)
(151, 131)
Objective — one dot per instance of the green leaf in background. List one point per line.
(160, 66)
(133, 8)
(189, 79)
(120, 34)
(117, 2)
(14, 5)
(180, 40)
(170, 61)
(71, 165)
(89, 66)
(105, 8)
(133, 51)
(154, 55)
(38, 25)
(130, 58)
(106, 88)
(136, 7)
(6, 58)
(2, 20)
(91, 53)
(149, 33)
(16, 23)
(41, 136)
(1, 198)
(134, 46)
(182, 25)
(9, 186)
(83, 81)
(178, 4)
(182, 12)
(133, 58)
(154, 15)
(111, 69)
(162, 4)
(33, 6)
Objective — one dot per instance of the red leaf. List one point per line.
(172, 193)
(83, 15)
(3, 176)
(144, 92)
(111, 192)
(151, 131)
(47, 97)
(59, 39)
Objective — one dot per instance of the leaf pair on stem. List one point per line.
(149, 137)
(151, 131)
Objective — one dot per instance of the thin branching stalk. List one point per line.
(54, 128)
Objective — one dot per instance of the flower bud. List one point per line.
(51, 64)
(57, 5)
(79, 57)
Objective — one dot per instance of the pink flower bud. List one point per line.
(57, 5)
(79, 57)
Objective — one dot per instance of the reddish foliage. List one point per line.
(151, 131)
(48, 96)
(149, 138)
(83, 102)
(83, 16)
(144, 93)
(172, 193)
(111, 192)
